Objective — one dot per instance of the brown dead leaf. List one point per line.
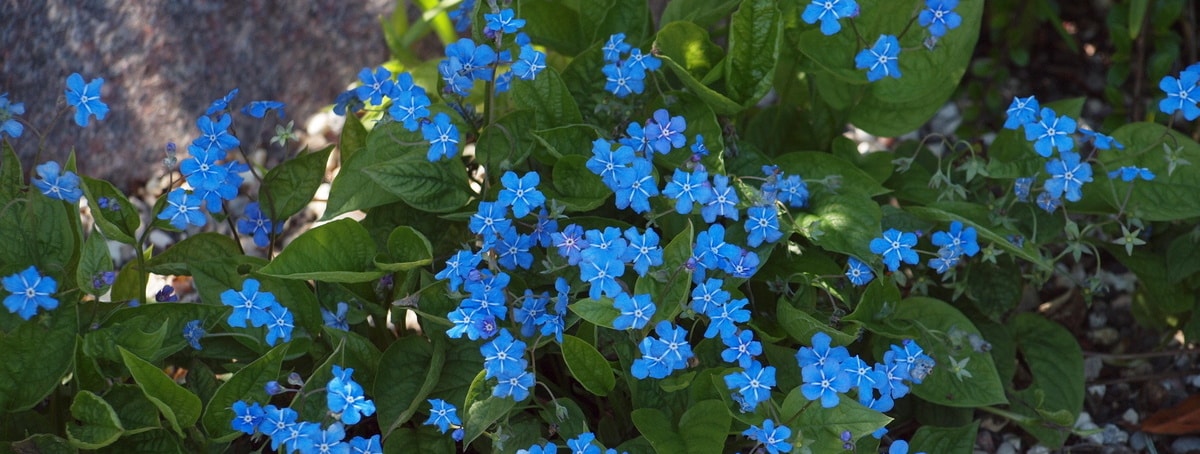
(1182, 419)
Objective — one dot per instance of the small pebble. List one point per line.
(1130, 416)
(1105, 336)
(1006, 448)
(1039, 449)
(1097, 320)
(1138, 441)
(1183, 445)
(1194, 380)
(1097, 390)
(1112, 435)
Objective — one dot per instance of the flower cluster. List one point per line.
(882, 59)
(8, 112)
(626, 67)
(260, 309)
(344, 399)
(895, 247)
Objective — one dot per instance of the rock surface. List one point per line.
(164, 61)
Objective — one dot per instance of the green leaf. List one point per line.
(136, 412)
(407, 249)
(1170, 196)
(1183, 258)
(1137, 16)
(355, 352)
(555, 25)
(150, 318)
(844, 223)
(340, 251)
(353, 189)
(421, 439)
(575, 186)
(943, 386)
(816, 165)
(37, 354)
(99, 426)
(246, 385)
(564, 140)
(1056, 363)
(290, 186)
(548, 98)
(154, 441)
(353, 139)
(506, 141)
(705, 426)
(820, 428)
(43, 443)
(483, 409)
(180, 407)
(588, 366)
(975, 215)
(755, 33)
(408, 371)
(654, 425)
(688, 45)
(801, 325)
(670, 294)
(117, 224)
(631, 17)
(599, 312)
(195, 248)
(948, 440)
(875, 307)
(435, 187)
(141, 335)
(12, 178)
(93, 260)
(704, 13)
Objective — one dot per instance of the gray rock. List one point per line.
(1183, 445)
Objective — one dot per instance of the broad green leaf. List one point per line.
(548, 98)
(572, 425)
(245, 385)
(180, 407)
(506, 141)
(575, 186)
(340, 251)
(1056, 363)
(994, 289)
(688, 45)
(141, 335)
(37, 353)
(875, 307)
(844, 223)
(755, 34)
(99, 425)
(654, 425)
(153, 441)
(820, 428)
(408, 371)
(631, 17)
(1170, 196)
(120, 224)
(43, 443)
(975, 215)
(588, 366)
(716, 101)
(948, 440)
(599, 312)
(421, 439)
(353, 139)
(136, 412)
(202, 246)
(435, 187)
(671, 293)
(705, 426)
(704, 13)
(289, 187)
(943, 386)
(462, 363)
(555, 25)
(93, 260)
(585, 79)
(564, 140)
(352, 189)
(171, 317)
(1183, 258)
(12, 178)
(802, 326)
(1137, 15)
(407, 249)
(356, 352)
(701, 120)
(483, 409)
(815, 165)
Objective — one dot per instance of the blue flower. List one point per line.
(821, 353)
(442, 136)
(552, 325)
(862, 375)
(665, 132)
(513, 250)
(829, 12)
(643, 250)
(246, 418)
(742, 348)
(29, 291)
(548, 448)
(1020, 112)
(1021, 188)
(532, 308)
(946, 260)
(1050, 132)
(741, 265)
(722, 318)
(723, 201)
(344, 395)
(1101, 141)
(653, 363)
(762, 223)
(645, 62)
(622, 80)
(544, 229)
(605, 245)
(409, 107)
(515, 386)
(634, 189)
(793, 191)
(490, 220)
(570, 243)
(754, 383)
(1182, 95)
(462, 15)
(256, 224)
(1129, 173)
(635, 311)
(708, 295)
(940, 17)
(529, 63)
(458, 267)
(85, 99)
(329, 440)
(900, 447)
(674, 338)
(635, 138)
(521, 193)
(475, 62)
(249, 304)
(611, 165)
(1067, 175)
(259, 109)
(8, 111)
(858, 272)
(192, 331)
(896, 246)
(336, 320)
(227, 190)
(881, 59)
(215, 134)
(894, 373)
(1048, 202)
(583, 444)
(443, 415)
(503, 356)
(360, 445)
(201, 169)
(375, 84)
(824, 383)
(488, 293)
(504, 21)
(279, 424)
(614, 47)
(687, 189)
(56, 186)
(280, 325)
(958, 239)
(711, 248)
(602, 274)
(221, 103)
(464, 320)
(774, 438)
(919, 364)
(183, 208)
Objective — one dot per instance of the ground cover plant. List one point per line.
(590, 228)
